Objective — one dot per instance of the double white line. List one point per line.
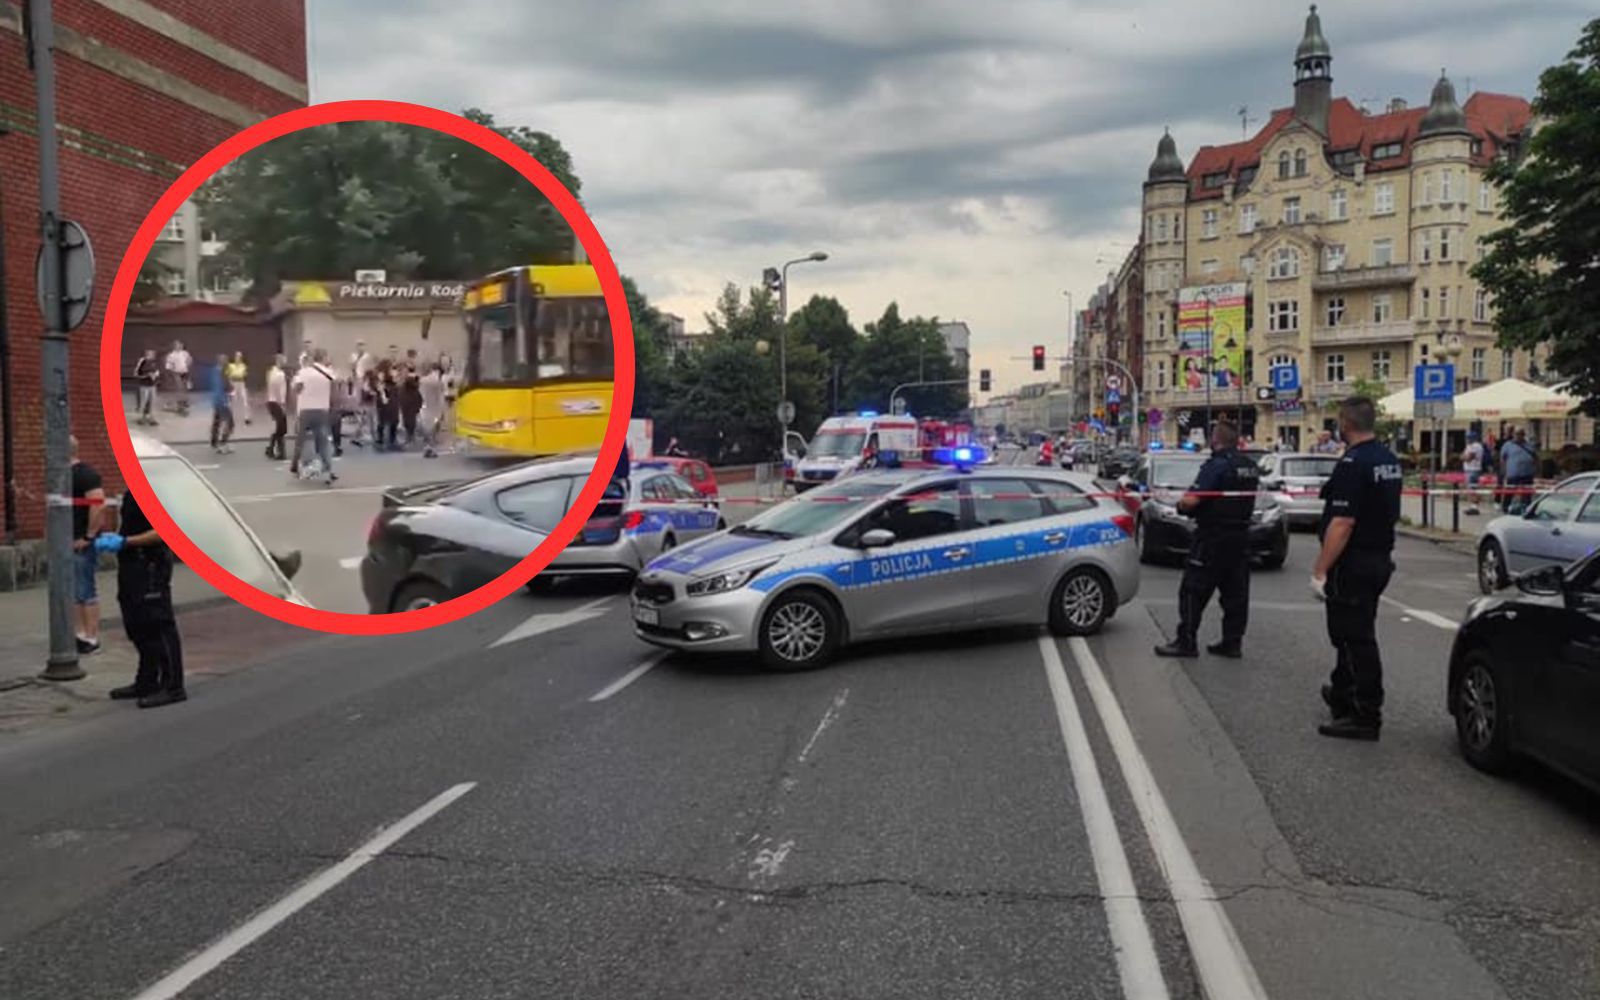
(1220, 960)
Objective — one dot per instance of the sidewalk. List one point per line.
(215, 630)
(195, 427)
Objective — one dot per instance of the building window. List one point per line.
(1333, 257)
(1508, 364)
(1285, 263)
(1336, 310)
(1334, 367)
(1387, 150)
(1161, 324)
(1382, 365)
(1338, 205)
(176, 283)
(1427, 187)
(1444, 302)
(1383, 198)
(1247, 264)
(1444, 244)
(1425, 246)
(1214, 180)
(1210, 266)
(1283, 165)
(1208, 223)
(1247, 219)
(219, 282)
(1177, 227)
(1423, 310)
(1569, 427)
(1485, 197)
(173, 230)
(1291, 211)
(1299, 163)
(1483, 249)
(1161, 228)
(1478, 355)
(1383, 251)
(1480, 305)
(1283, 316)
(1382, 307)
(1446, 186)
(1161, 374)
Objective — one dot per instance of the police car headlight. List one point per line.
(721, 583)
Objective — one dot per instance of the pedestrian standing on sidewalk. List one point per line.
(237, 370)
(144, 593)
(410, 395)
(432, 418)
(1219, 558)
(1520, 462)
(277, 400)
(146, 376)
(221, 407)
(88, 514)
(1360, 506)
(388, 396)
(361, 363)
(178, 363)
(313, 399)
(1472, 468)
(452, 389)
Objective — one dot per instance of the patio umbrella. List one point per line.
(1502, 400)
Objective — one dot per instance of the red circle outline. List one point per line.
(406, 114)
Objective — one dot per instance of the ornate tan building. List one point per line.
(1350, 236)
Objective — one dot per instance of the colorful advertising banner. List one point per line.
(1211, 322)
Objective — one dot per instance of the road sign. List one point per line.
(1435, 382)
(1154, 419)
(1113, 384)
(77, 275)
(786, 413)
(1113, 396)
(1265, 394)
(1434, 409)
(1285, 378)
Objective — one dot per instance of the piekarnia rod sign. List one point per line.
(413, 291)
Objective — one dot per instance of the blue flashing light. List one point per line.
(1190, 446)
(962, 458)
(963, 454)
(867, 413)
(1155, 445)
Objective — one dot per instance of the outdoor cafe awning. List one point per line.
(1558, 405)
(1397, 405)
(1506, 399)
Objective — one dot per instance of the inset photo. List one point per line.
(367, 367)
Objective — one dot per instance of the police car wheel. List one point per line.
(1482, 715)
(1491, 567)
(419, 594)
(1141, 542)
(1081, 603)
(800, 631)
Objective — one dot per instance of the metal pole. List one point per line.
(63, 662)
(783, 352)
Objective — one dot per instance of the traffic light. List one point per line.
(983, 380)
(1038, 357)
(1113, 409)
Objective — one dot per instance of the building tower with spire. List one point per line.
(1313, 76)
(1441, 211)
(1166, 194)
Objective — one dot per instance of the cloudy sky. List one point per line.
(970, 161)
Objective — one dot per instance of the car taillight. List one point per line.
(1125, 522)
(632, 520)
(374, 530)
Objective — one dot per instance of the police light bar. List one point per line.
(963, 456)
(867, 413)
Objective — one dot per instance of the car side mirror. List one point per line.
(288, 563)
(877, 538)
(1542, 582)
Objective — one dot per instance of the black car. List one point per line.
(434, 542)
(1525, 674)
(1117, 462)
(1158, 481)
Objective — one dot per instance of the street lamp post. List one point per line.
(783, 338)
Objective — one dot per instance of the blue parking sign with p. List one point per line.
(1435, 382)
(1285, 378)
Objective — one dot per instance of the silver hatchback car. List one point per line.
(1295, 481)
(892, 553)
(1558, 528)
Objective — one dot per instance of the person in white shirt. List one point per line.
(277, 400)
(177, 364)
(431, 386)
(1472, 466)
(313, 400)
(362, 363)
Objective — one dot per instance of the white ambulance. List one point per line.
(844, 444)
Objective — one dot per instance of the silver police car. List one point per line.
(896, 552)
(656, 511)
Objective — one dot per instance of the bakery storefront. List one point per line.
(423, 316)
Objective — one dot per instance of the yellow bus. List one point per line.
(539, 366)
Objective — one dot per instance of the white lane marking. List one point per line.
(1437, 621)
(206, 468)
(245, 934)
(351, 563)
(309, 491)
(627, 678)
(828, 718)
(1224, 968)
(1137, 964)
(541, 622)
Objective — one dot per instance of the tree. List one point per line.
(1543, 266)
(652, 346)
(150, 286)
(823, 325)
(896, 351)
(328, 200)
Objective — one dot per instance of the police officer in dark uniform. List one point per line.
(144, 592)
(1361, 503)
(1219, 558)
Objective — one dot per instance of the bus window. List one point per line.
(495, 354)
(572, 339)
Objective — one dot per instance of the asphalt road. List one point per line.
(911, 822)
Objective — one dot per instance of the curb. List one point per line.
(1458, 543)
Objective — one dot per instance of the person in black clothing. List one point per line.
(88, 515)
(147, 375)
(410, 394)
(388, 396)
(1219, 557)
(144, 592)
(1361, 503)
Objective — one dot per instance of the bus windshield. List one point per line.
(560, 340)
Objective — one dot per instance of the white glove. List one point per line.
(1319, 587)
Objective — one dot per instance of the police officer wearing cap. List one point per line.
(1219, 557)
(1361, 503)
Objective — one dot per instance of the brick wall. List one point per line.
(123, 144)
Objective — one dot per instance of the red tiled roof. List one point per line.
(188, 312)
(1491, 117)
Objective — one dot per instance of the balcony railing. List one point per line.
(1385, 276)
(1338, 390)
(1364, 333)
